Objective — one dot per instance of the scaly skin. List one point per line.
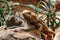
(39, 25)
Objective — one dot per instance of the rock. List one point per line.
(57, 32)
(10, 34)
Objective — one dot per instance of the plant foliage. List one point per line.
(5, 11)
(50, 14)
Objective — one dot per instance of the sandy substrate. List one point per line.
(16, 34)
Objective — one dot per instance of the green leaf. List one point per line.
(49, 3)
(8, 7)
(45, 4)
(52, 26)
(44, 7)
(35, 8)
(38, 4)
